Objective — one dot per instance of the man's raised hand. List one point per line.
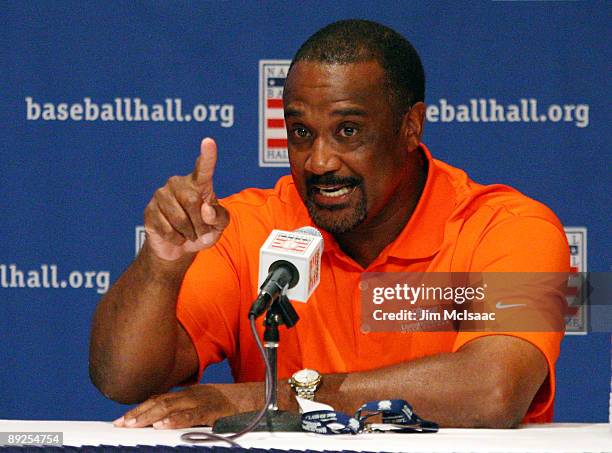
(184, 216)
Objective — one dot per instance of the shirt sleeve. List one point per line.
(525, 244)
(209, 299)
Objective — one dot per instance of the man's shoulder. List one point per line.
(497, 228)
(495, 202)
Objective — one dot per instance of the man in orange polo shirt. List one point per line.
(354, 110)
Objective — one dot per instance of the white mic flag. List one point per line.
(303, 248)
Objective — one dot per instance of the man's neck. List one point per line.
(367, 241)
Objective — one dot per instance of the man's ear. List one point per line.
(412, 125)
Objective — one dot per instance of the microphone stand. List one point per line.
(280, 312)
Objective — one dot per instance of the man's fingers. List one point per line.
(156, 409)
(130, 418)
(191, 202)
(215, 215)
(216, 218)
(156, 222)
(182, 217)
(205, 165)
(172, 210)
(185, 419)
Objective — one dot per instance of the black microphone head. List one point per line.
(289, 268)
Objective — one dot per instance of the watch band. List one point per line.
(305, 392)
(305, 383)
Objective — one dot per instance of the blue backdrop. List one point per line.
(74, 182)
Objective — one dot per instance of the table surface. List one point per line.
(529, 438)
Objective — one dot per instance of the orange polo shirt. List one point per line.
(458, 226)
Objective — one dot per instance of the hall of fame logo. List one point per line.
(291, 242)
(272, 132)
(576, 321)
(140, 237)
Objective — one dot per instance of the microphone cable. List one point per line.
(203, 436)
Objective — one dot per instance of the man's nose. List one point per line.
(323, 158)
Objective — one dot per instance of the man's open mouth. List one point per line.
(333, 191)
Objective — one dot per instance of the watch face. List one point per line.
(306, 376)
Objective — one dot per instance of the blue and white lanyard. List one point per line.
(397, 417)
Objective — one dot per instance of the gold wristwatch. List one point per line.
(305, 383)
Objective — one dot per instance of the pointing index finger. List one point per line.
(205, 165)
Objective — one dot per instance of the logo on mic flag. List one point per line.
(302, 250)
(315, 272)
(291, 242)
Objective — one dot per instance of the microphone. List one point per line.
(291, 261)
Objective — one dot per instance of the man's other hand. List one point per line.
(184, 216)
(196, 405)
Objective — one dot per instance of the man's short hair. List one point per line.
(357, 40)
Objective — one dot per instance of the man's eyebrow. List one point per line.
(292, 112)
(350, 111)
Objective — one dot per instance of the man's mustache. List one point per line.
(332, 180)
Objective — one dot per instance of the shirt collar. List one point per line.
(423, 234)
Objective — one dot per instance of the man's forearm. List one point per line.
(134, 335)
(462, 389)
(489, 383)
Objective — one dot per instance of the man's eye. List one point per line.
(300, 132)
(348, 131)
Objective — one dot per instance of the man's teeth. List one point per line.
(335, 192)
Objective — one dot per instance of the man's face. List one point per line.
(348, 160)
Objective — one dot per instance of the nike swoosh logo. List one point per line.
(501, 305)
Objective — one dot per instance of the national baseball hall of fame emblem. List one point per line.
(576, 319)
(272, 132)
